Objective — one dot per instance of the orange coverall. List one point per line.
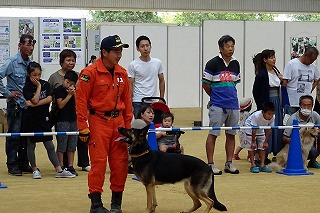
(96, 89)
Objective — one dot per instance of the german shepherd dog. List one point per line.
(157, 168)
(308, 136)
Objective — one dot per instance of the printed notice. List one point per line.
(71, 25)
(51, 25)
(72, 41)
(4, 51)
(4, 30)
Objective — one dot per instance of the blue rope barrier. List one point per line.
(233, 127)
(31, 134)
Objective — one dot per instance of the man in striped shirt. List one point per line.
(219, 80)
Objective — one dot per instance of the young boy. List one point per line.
(168, 141)
(258, 138)
(66, 119)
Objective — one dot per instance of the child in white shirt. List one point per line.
(258, 138)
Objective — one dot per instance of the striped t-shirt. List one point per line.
(222, 80)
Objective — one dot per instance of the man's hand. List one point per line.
(84, 135)
(265, 145)
(15, 94)
(253, 146)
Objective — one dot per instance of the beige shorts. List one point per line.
(219, 117)
(246, 141)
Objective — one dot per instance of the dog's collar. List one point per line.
(139, 155)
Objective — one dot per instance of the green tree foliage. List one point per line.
(196, 18)
(304, 17)
(125, 16)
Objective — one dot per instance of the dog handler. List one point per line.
(104, 99)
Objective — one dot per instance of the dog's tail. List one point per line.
(217, 205)
(275, 167)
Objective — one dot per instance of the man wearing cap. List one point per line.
(15, 72)
(104, 99)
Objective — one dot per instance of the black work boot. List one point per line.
(96, 203)
(116, 200)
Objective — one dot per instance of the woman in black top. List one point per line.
(266, 88)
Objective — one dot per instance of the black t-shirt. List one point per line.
(68, 112)
(36, 119)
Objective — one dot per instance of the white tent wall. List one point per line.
(93, 36)
(260, 36)
(184, 67)
(300, 29)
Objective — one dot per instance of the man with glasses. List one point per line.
(15, 72)
(300, 77)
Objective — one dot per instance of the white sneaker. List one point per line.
(36, 174)
(231, 168)
(215, 169)
(64, 174)
(87, 168)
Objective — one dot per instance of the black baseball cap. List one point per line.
(111, 42)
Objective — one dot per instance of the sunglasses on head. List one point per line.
(29, 41)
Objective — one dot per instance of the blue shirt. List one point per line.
(15, 70)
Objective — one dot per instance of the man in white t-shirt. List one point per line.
(143, 73)
(300, 76)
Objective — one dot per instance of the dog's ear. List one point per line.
(125, 132)
(145, 129)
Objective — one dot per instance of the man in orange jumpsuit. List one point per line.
(103, 99)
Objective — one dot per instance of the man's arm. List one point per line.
(162, 85)
(314, 85)
(287, 132)
(206, 88)
(131, 86)
(4, 69)
(286, 139)
(285, 82)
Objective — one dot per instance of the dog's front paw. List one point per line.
(153, 209)
(149, 210)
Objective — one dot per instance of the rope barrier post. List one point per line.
(2, 186)
(152, 139)
(294, 165)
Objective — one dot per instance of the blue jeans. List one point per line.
(136, 108)
(16, 147)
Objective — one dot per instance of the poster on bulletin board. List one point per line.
(4, 30)
(299, 44)
(26, 26)
(57, 34)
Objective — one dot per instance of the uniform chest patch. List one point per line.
(85, 78)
